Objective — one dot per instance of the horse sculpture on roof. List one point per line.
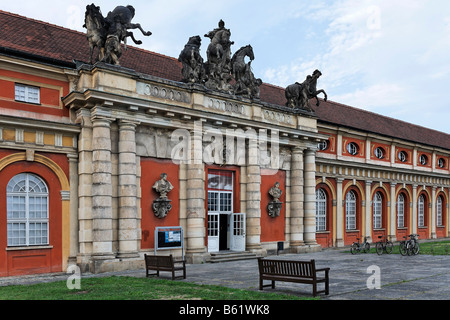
(107, 34)
(299, 94)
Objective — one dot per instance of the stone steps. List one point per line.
(225, 256)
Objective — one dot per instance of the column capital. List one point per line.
(127, 124)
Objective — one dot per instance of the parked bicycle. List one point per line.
(358, 246)
(412, 245)
(384, 246)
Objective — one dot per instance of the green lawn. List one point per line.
(432, 248)
(131, 288)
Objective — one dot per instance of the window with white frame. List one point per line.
(350, 211)
(321, 210)
(377, 210)
(423, 159)
(439, 211)
(400, 211)
(352, 148)
(27, 211)
(402, 156)
(379, 153)
(421, 211)
(27, 93)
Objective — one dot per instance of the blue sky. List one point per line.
(388, 57)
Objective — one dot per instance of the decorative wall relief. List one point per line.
(162, 205)
(274, 207)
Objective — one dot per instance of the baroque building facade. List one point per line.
(83, 148)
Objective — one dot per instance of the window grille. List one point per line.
(27, 211)
(439, 212)
(421, 211)
(377, 211)
(400, 211)
(350, 211)
(321, 210)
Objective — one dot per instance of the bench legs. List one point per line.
(315, 291)
(261, 286)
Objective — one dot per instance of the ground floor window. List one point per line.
(439, 211)
(321, 210)
(27, 211)
(350, 211)
(400, 211)
(421, 211)
(377, 211)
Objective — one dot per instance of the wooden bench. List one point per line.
(292, 271)
(164, 263)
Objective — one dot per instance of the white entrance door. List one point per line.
(237, 224)
(219, 202)
(213, 232)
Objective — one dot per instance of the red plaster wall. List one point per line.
(272, 229)
(151, 170)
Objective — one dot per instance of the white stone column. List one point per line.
(368, 212)
(102, 233)
(74, 225)
(393, 217)
(84, 189)
(433, 212)
(253, 195)
(297, 197)
(414, 209)
(195, 193)
(128, 216)
(310, 198)
(448, 216)
(340, 223)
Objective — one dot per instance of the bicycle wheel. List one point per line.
(402, 248)
(366, 248)
(354, 248)
(389, 247)
(409, 248)
(379, 247)
(416, 248)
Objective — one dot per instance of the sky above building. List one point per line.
(384, 56)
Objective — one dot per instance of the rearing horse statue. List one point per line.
(107, 33)
(299, 94)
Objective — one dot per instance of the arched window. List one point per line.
(401, 211)
(439, 211)
(350, 211)
(421, 211)
(27, 211)
(377, 210)
(321, 210)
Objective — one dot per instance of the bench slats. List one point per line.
(292, 271)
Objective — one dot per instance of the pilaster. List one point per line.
(129, 230)
(297, 197)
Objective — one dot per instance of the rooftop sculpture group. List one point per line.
(220, 69)
(221, 72)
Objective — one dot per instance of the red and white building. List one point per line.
(81, 147)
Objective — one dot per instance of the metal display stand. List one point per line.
(167, 238)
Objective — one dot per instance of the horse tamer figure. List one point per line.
(107, 34)
(299, 94)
